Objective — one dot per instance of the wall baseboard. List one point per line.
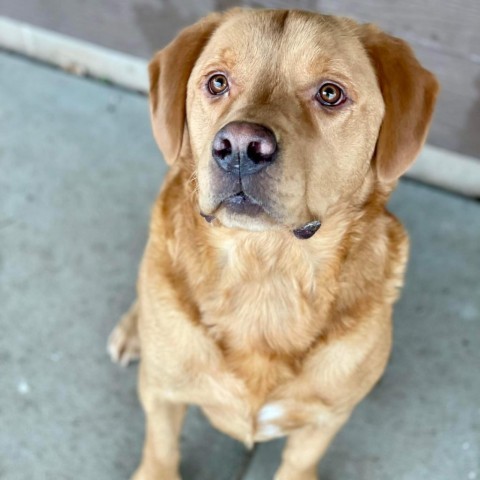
(449, 170)
(75, 56)
(435, 166)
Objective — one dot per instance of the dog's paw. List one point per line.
(123, 346)
(295, 476)
(141, 474)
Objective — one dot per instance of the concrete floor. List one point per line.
(78, 173)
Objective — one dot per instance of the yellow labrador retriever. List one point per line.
(265, 293)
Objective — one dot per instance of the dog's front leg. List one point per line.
(164, 421)
(305, 447)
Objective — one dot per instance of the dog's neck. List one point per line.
(263, 295)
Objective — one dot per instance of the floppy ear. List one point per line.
(409, 92)
(169, 71)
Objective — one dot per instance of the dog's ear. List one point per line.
(169, 71)
(409, 92)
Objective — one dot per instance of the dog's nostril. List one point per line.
(254, 152)
(260, 151)
(222, 148)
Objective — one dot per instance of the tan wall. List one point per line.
(445, 35)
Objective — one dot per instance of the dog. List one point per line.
(266, 288)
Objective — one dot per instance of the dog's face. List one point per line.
(284, 112)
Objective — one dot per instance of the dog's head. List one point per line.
(287, 114)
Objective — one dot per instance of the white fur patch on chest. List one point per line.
(269, 419)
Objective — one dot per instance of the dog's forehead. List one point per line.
(291, 39)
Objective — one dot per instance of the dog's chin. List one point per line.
(260, 223)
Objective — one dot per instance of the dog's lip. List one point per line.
(240, 197)
(208, 218)
(243, 203)
(308, 230)
(240, 203)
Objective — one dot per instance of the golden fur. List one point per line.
(269, 334)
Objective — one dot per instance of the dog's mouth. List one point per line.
(242, 203)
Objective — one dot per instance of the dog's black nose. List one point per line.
(244, 148)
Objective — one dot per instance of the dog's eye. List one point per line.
(218, 84)
(330, 95)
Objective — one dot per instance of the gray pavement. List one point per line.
(78, 173)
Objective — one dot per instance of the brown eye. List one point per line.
(330, 95)
(218, 84)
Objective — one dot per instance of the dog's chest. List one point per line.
(262, 314)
